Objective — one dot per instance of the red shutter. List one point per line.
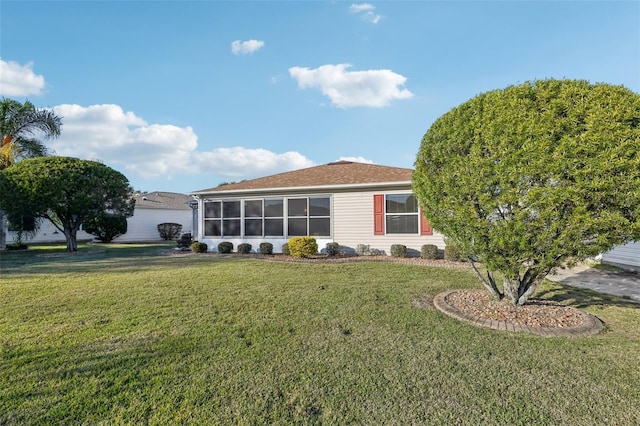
(425, 228)
(378, 214)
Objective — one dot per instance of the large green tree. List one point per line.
(533, 177)
(21, 127)
(65, 191)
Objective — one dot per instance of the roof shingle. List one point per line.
(162, 200)
(332, 174)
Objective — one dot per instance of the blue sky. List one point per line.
(183, 95)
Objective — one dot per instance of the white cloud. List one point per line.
(356, 160)
(243, 163)
(109, 134)
(372, 88)
(246, 47)
(19, 80)
(366, 12)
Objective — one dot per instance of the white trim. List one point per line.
(303, 188)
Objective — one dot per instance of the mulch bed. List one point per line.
(534, 313)
(321, 258)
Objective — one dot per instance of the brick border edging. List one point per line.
(590, 327)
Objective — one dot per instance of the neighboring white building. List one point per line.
(151, 209)
(154, 208)
(626, 256)
(344, 202)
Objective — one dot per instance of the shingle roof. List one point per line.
(333, 174)
(162, 200)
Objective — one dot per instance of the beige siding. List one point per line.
(353, 224)
(627, 255)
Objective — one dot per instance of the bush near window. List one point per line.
(452, 253)
(198, 247)
(429, 251)
(244, 248)
(303, 246)
(366, 250)
(266, 248)
(225, 247)
(333, 249)
(285, 249)
(398, 250)
(169, 231)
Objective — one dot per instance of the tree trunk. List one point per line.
(489, 283)
(519, 289)
(70, 234)
(3, 232)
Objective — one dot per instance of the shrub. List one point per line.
(105, 226)
(362, 250)
(169, 231)
(185, 240)
(17, 246)
(333, 249)
(452, 253)
(198, 247)
(429, 251)
(398, 250)
(303, 246)
(266, 248)
(285, 249)
(365, 250)
(225, 247)
(244, 248)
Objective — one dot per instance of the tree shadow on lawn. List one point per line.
(582, 298)
(87, 259)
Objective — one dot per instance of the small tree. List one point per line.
(65, 191)
(22, 125)
(169, 231)
(532, 177)
(106, 226)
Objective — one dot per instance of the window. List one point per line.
(263, 218)
(401, 214)
(266, 217)
(253, 218)
(309, 216)
(398, 214)
(273, 218)
(231, 218)
(222, 218)
(213, 218)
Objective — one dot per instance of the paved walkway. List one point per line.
(617, 282)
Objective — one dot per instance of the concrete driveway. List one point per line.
(617, 282)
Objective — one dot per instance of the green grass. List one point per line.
(123, 334)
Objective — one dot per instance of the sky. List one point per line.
(184, 95)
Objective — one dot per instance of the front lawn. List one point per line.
(124, 334)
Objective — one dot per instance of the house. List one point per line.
(154, 208)
(626, 256)
(344, 202)
(151, 209)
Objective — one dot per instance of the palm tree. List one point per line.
(20, 124)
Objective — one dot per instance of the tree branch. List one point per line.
(490, 285)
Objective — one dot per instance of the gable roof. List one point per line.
(337, 174)
(162, 200)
